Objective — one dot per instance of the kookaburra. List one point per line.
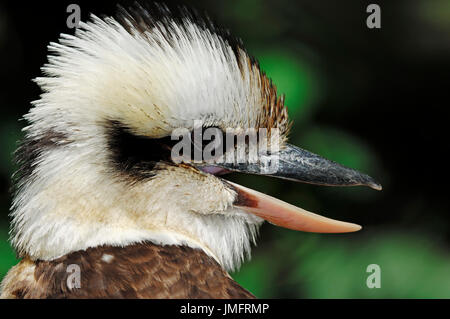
(98, 188)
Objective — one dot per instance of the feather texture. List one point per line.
(137, 271)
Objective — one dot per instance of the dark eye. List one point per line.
(213, 141)
(209, 140)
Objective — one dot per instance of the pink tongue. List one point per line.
(214, 170)
(286, 215)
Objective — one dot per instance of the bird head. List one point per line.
(99, 163)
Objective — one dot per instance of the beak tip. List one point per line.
(376, 186)
(370, 182)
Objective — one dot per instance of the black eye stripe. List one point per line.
(133, 154)
(137, 155)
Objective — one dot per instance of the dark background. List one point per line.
(372, 99)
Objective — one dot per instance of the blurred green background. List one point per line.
(370, 99)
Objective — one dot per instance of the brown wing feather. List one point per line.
(138, 271)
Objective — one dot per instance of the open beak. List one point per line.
(294, 163)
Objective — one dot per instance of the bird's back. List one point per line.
(144, 270)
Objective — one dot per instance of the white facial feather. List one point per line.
(151, 82)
